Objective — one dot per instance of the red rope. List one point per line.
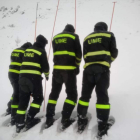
(49, 51)
(112, 15)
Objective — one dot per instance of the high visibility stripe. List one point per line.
(99, 106)
(97, 53)
(14, 71)
(64, 67)
(52, 101)
(63, 53)
(83, 103)
(78, 59)
(35, 51)
(46, 74)
(112, 59)
(31, 64)
(15, 63)
(31, 72)
(19, 51)
(102, 63)
(98, 34)
(14, 106)
(11, 98)
(35, 105)
(21, 112)
(64, 35)
(70, 102)
(77, 63)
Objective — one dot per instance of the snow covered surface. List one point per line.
(17, 24)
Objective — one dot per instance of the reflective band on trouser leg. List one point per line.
(100, 106)
(14, 106)
(11, 98)
(35, 105)
(64, 67)
(83, 103)
(70, 102)
(21, 112)
(52, 102)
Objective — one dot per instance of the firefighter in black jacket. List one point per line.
(30, 81)
(14, 69)
(99, 52)
(67, 57)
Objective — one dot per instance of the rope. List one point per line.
(75, 16)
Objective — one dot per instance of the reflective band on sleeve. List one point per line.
(15, 63)
(97, 53)
(64, 67)
(11, 98)
(98, 34)
(19, 51)
(102, 63)
(14, 71)
(35, 105)
(102, 106)
(78, 59)
(14, 106)
(112, 59)
(52, 101)
(21, 112)
(31, 72)
(35, 51)
(64, 35)
(83, 103)
(70, 102)
(31, 64)
(64, 52)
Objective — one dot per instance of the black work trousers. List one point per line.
(29, 86)
(69, 79)
(98, 78)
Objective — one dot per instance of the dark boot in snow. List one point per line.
(49, 122)
(82, 123)
(19, 127)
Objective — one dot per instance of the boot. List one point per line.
(13, 121)
(49, 122)
(82, 123)
(19, 127)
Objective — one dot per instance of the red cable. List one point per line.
(112, 15)
(50, 50)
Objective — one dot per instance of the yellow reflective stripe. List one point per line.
(98, 34)
(64, 35)
(97, 53)
(99, 106)
(35, 105)
(112, 59)
(19, 51)
(31, 71)
(35, 51)
(14, 71)
(102, 63)
(46, 74)
(21, 112)
(64, 67)
(15, 63)
(78, 59)
(70, 102)
(64, 52)
(11, 98)
(31, 64)
(52, 101)
(14, 106)
(77, 63)
(83, 103)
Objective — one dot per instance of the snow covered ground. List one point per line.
(17, 24)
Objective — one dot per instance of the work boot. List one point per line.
(49, 122)
(13, 121)
(82, 123)
(19, 127)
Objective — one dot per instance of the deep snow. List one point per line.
(17, 22)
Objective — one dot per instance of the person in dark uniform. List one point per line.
(99, 51)
(67, 57)
(13, 74)
(30, 82)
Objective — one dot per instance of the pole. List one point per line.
(36, 22)
(112, 15)
(75, 16)
(50, 50)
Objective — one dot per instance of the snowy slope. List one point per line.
(17, 22)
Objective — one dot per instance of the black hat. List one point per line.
(100, 26)
(69, 28)
(41, 39)
(26, 45)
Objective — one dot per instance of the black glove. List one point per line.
(77, 70)
(47, 78)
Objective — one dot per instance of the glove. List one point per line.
(77, 70)
(47, 78)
